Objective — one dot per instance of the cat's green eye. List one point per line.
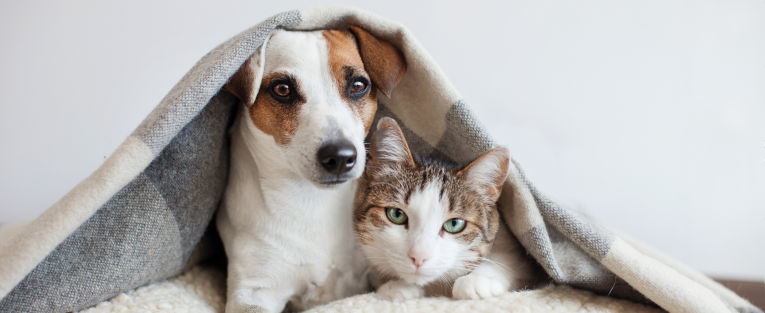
(454, 225)
(396, 215)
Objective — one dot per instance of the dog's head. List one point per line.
(314, 94)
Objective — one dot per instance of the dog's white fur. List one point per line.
(287, 235)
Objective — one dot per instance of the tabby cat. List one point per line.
(427, 228)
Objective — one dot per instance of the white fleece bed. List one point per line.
(202, 289)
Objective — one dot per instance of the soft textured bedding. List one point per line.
(201, 289)
(140, 217)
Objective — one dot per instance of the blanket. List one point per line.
(141, 216)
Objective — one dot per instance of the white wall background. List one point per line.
(647, 115)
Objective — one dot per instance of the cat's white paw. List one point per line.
(475, 286)
(399, 290)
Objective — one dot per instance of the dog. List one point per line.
(297, 149)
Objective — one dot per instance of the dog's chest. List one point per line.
(326, 252)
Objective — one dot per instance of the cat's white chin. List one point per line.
(418, 279)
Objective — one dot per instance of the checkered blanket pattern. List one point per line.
(140, 217)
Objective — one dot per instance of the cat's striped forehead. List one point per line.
(429, 190)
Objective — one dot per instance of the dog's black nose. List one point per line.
(338, 157)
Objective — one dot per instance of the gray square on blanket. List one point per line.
(146, 232)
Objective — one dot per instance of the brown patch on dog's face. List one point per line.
(356, 60)
(276, 114)
(348, 71)
(386, 64)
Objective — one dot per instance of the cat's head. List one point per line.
(421, 220)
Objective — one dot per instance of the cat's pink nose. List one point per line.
(417, 258)
(417, 262)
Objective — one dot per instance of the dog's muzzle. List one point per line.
(337, 157)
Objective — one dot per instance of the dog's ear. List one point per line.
(244, 84)
(388, 147)
(384, 62)
(489, 171)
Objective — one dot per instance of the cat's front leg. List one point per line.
(485, 281)
(399, 290)
(506, 268)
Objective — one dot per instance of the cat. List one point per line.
(425, 226)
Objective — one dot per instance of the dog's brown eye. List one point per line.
(282, 90)
(358, 86)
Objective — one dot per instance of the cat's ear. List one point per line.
(489, 171)
(389, 146)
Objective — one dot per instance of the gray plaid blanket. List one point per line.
(140, 217)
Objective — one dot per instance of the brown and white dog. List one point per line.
(297, 149)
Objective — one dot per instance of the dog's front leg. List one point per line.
(257, 287)
(244, 297)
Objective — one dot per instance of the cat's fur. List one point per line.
(420, 253)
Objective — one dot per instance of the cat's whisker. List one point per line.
(443, 279)
(379, 249)
(377, 257)
(388, 272)
(504, 268)
(495, 263)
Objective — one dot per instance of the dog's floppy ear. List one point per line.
(244, 84)
(384, 62)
